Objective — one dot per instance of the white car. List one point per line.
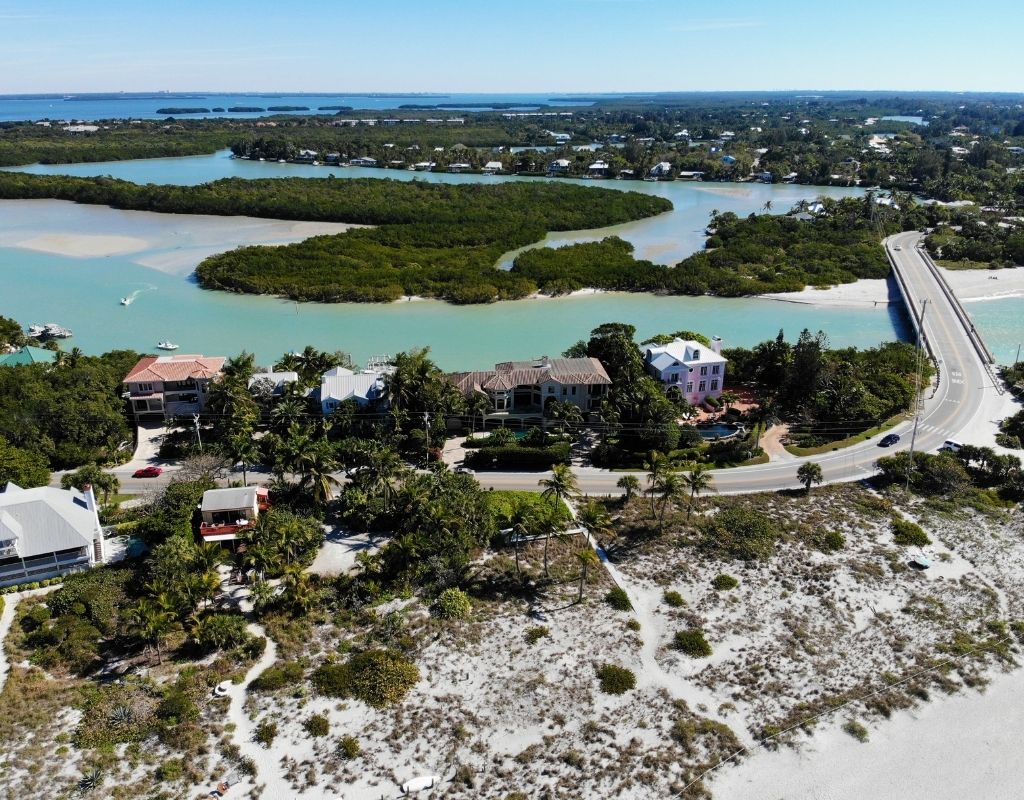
(897, 247)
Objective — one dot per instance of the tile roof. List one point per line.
(175, 368)
(510, 374)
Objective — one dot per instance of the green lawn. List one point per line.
(841, 443)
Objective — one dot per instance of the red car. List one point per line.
(147, 472)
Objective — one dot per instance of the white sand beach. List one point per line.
(968, 284)
(967, 745)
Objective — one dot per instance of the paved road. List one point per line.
(964, 406)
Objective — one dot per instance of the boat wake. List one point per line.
(128, 299)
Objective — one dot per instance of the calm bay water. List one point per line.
(14, 107)
(83, 293)
(664, 239)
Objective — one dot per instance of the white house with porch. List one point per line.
(696, 370)
(339, 384)
(46, 532)
(171, 386)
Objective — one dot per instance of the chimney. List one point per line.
(99, 555)
(716, 344)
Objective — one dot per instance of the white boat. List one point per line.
(126, 301)
(55, 331)
(167, 345)
(35, 331)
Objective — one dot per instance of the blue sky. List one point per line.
(528, 45)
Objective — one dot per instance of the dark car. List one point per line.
(890, 440)
(147, 472)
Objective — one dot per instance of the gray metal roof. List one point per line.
(46, 519)
(229, 499)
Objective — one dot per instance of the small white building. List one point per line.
(460, 166)
(599, 169)
(492, 166)
(46, 532)
(661, 170)
(339, 385)
(696, 370)
(363, 161)
(228, 512)
(559, 166)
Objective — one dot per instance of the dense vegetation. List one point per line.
(69, 413)
(975, 239)
(434, 240)
(746, 256)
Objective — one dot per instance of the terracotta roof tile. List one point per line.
(175, 368)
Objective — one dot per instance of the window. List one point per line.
(673, 378)
(551, 390)
(564, 391)
(703, 370)
(716, 369)
(689, 386)
(696, 355)
(703, 386)
(145, 387)
(714, 384)
(574, 390)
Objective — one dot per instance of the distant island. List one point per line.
(245, 109)
(334, 108)
(287, 108)
(174, 110)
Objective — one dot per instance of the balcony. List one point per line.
(219, 530)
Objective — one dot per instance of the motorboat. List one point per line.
(36, 331)
(166, 345)
(55, 331)
(126, 301)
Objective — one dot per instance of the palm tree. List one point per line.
(315, 466)
(767, 206)
(595, 520)
(587, 558)
(696, 480)
(630, 485)
(559, 489)
(808, 473)
(260, 556)
(763, 416)
(668, 487)
(298, 591)
(241, 448)
(286, 413)
(383, 466)
(209, 556)
(728, 397)
(656, 465)
(151, 625)
(477, 404)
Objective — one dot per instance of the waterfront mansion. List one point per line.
(171, 386)
(696, 370)
(521, 387)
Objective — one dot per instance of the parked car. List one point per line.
(147, 472)
(889, 440)
(950, 446)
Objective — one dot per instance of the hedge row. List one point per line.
(518, 457)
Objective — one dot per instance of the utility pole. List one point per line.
(1017, 359)
(199, 439)
(426, 429)
(917, 398)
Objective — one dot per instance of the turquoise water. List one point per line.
(83, 293)
(664, 239)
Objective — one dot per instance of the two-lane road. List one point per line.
(964, 405)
